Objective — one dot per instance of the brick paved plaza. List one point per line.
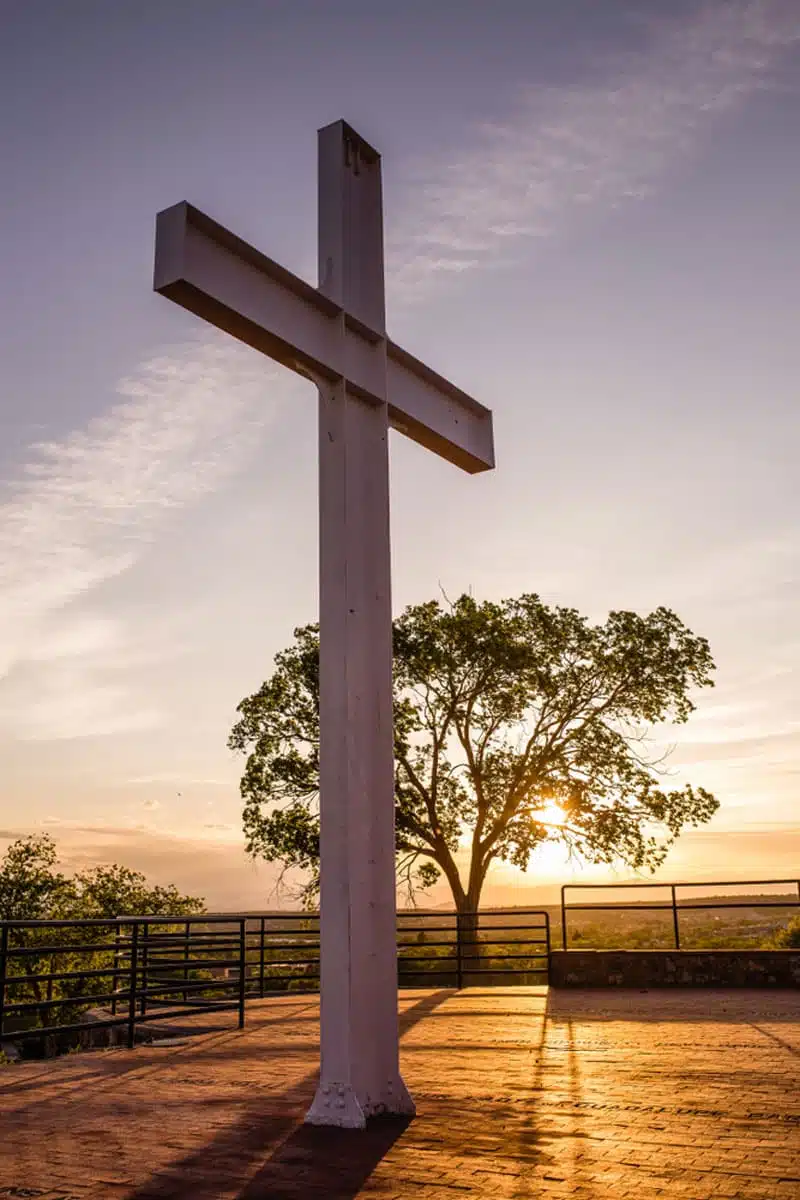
(520, 1092)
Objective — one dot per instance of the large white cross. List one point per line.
(336, 335)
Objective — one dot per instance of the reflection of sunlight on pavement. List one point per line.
(580, 1146)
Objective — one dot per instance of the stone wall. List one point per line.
(675, 968)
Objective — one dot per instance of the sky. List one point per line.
(591, 226)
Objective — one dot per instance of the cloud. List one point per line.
(597, 144)
(177, 778)
(85, 509)
(151, 805)
(770, 747)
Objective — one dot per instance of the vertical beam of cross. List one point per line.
(360, 1073)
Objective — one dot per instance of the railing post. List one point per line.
(459, 958)
(242, 968)
(675, 925)
(3, 972)
(261, 962)
(563, 918)
(547, 940)
(132, 985)
(50, 980)
(186, 928)
(115, 977)
(146, 935)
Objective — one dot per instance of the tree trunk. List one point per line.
(468, 930)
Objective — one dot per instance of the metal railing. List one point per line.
(675, 905)
(127, 964)
(159, 968)
(464, 949)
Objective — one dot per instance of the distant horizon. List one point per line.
(233, 874)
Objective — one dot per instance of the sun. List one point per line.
(550, 814)
(550, 859)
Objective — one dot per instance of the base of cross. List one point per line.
(337, 1104)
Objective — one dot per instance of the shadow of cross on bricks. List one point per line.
(521, 1092)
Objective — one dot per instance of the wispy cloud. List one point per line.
(599, 144)
(177, 778)
(85, 509)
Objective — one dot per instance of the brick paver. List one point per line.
(520, 1093)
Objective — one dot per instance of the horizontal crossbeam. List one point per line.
(214, 274)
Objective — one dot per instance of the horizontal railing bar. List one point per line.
(63, 1002)
(168, 1002)
(62, 948)
(228, 938)
(288, 978)
(157, 964)
(174, 934)
(285, 962)
(666, 907)
(687, 884)
(235, 919)
(472, 912)
(404, 958)
(501, 941)
(192, 964)
(156, 950)
(280, 993)
(454, 926)
(504, 971)
(201, 985)
(111, 922)
(223, 1006)
(145, 988)
(179, 937)
(52, 1030)
(689, 904)
(232, 919)
(481, 928)
(449, 973)
(93, 974)
(465, 941)
(276, 946)
(504, 957)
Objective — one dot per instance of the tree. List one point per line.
(115, 891)
(31, 889)
(787, 938)
(515, 724)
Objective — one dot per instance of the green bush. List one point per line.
(787, 938)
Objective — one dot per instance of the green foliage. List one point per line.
(787, 938)
(31, 888)
(501, 712)
(115, 891)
